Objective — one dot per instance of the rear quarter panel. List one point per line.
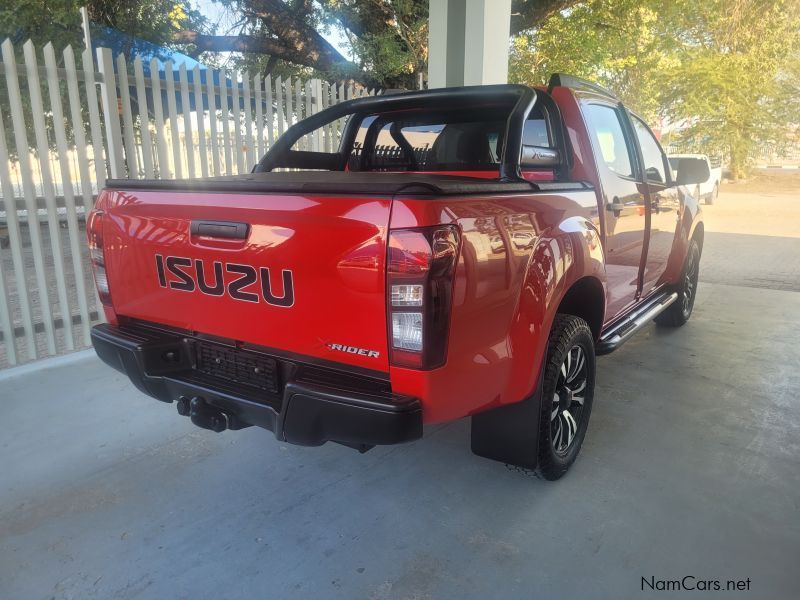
(691, 218)
(519, 255)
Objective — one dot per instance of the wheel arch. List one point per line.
(698, 235)
(585, 298)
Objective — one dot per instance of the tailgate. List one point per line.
(296, 273)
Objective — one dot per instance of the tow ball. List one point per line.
(203, 414)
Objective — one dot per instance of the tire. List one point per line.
(712, 197)
(680, 310)
(567, 389)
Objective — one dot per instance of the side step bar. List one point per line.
(620, 333)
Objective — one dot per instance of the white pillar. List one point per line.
(468, 42)
(437, 43)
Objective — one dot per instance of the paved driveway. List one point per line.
(691, 466)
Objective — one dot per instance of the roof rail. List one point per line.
(570, 81)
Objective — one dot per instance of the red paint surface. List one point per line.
(335, 247)
(518, 257)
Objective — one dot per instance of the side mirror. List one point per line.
(653, 175)
(539, 157)
(691, 171)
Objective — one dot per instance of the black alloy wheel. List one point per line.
(690, 276)
(680, 310)
(568, 400)
(567, 392)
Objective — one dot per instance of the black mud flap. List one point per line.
(510, 433)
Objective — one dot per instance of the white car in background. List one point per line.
(709, 190)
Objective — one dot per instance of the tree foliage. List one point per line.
(59, 21)
(731, 83)
(391, 42)
(387, 39)
(612, 42)
(724, 69)
(727, 71)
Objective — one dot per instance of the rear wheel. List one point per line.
(567, 392)
(680, 311)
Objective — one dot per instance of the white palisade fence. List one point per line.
(70, 120)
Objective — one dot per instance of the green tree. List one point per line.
(615, 43)
(733, 79)
(387, 39)
(59, 21)
(726, 69)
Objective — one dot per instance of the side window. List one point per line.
(654, 168)
(535, 132)
(606, 127)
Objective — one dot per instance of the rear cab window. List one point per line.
(425, 144)
(451, 141)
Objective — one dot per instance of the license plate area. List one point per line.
(237, 366)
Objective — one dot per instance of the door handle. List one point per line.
(228, 230)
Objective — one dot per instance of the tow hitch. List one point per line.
(205, 415)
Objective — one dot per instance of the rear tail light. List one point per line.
(407, 331)
(407, 295)
(421, 266)
(94, 231)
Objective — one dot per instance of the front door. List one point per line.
(623, 200)
(664, 205)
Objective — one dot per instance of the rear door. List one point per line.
(300, 274)
(623, 201)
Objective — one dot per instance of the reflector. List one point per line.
(407, 331)
(94, 231)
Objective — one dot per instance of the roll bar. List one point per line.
(523, 98)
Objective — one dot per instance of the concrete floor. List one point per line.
(691, 466)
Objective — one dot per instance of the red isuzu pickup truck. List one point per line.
(462, 252)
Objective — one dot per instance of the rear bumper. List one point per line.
(308, 406)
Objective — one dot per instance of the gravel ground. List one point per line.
(753, 239)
